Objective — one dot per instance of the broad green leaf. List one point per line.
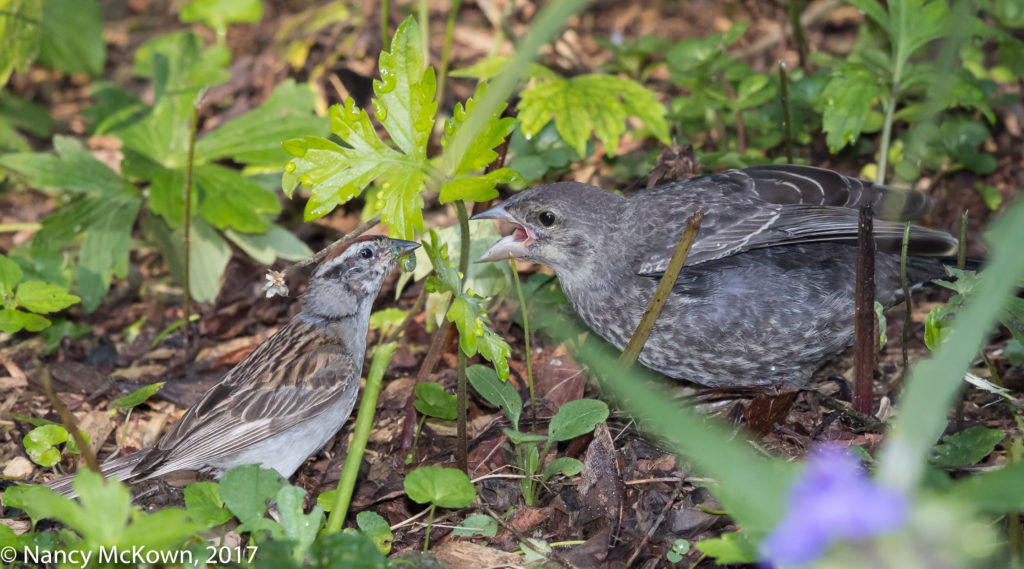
(444, 487)
(167, 195)
(476, 524)
(387, 319)
(40, 442)
(348, 551)
(591, 103)
(996, 492)
(520, 438)
(12, 320)
(163, 530)
(107, 505)
(229, 199)
(24, 115)
(72, 168)
(72, 39)
(477, 188)
(188, 65)
(10, 276)
(966, 448)
(218, 14)
(405, 106)
(138, 396)
(105, 248)
(373, 526)
(298, 525)
(265, 248)
(20, 28)
(41, 503)
(564, 465)
(848, 97)
(255, 137)
(875, 11)
(499, 393)
(490, 67)
(43, 297)
(246, 489)
(463, 158)
(577, 418)
(733, 547)
(204, 504)
(209, 256)
(433, 401)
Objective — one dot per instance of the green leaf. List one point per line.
(40, 442)
(12, 320)
(444, 487)
(138, 396)
(163, 530)
(499, 393)
(218, 14)
(229, 199)
(24, 115)
(10, 276)
(433, 401)
(255, 137)
(405, 106)
(167, 195)
(72, 39)
(848, 98)
(373, 526)
(208, 255)
(490, 67)
(204, 505)
(462, 157)
(43, 297)
(520, 438)
(577, 418)
(246, 489)
(72, 168)
(72, 445)
(387, 319)
(21, 28)
(477, 188)
(265, 248)
(732, 547)
(966, 448)
(298, 526)
(41, 503)
(346, 551)
(564, 465)
(106, 504)
(591, 103)
(476, 524)
(993, 199)
(996, 492)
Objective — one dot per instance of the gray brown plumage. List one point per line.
(766, 293)
(293, 392)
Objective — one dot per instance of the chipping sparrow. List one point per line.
(293, 392)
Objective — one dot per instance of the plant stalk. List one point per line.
(430, 522)
(187, 245)
(462, 437)
(526, 334)
(69, 422)
(865, 330)
(907, 321)
(446, 50)
(668, 280)
(385, 32)
(364, 422)
(784, 100)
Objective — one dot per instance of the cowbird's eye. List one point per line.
(366, 253)
(546, 218)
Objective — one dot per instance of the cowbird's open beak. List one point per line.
(514, 245)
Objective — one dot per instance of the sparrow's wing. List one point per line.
(779, 205)
(262, 397)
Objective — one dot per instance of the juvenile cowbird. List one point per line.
(767, 292)
(289, 396)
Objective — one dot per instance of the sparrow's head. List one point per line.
(557, 225)
(351, 276)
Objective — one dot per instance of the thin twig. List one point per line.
(656, 524)
(524, 540)
(462, 436)
(351, 236)
(961, 262)
(869, 423)
(784, 100)
(668, 280)
(865, 331)
(69, 422)
(795, 7)
(906, 300)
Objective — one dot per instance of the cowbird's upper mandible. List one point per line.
(766, 294)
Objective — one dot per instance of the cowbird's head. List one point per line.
(557, 225)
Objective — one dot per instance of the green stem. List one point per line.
(784, 100)
(424, 21)
(12, 227)
(364, 422)
(906, 299)
(795, 6)
(890, 109)
(526, 333)
(187, 245)
(462, 437)
(446, 51)
(430, 522)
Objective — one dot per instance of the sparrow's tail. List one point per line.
(118, 469)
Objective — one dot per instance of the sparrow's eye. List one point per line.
(546, 218)
(366, 253)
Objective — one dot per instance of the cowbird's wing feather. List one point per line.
(235, 414)
(773, 206)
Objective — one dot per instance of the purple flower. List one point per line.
(833, 499)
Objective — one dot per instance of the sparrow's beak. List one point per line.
(514, 245)
(400, 247)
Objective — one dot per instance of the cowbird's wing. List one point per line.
(770, 206)
(260, 398)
